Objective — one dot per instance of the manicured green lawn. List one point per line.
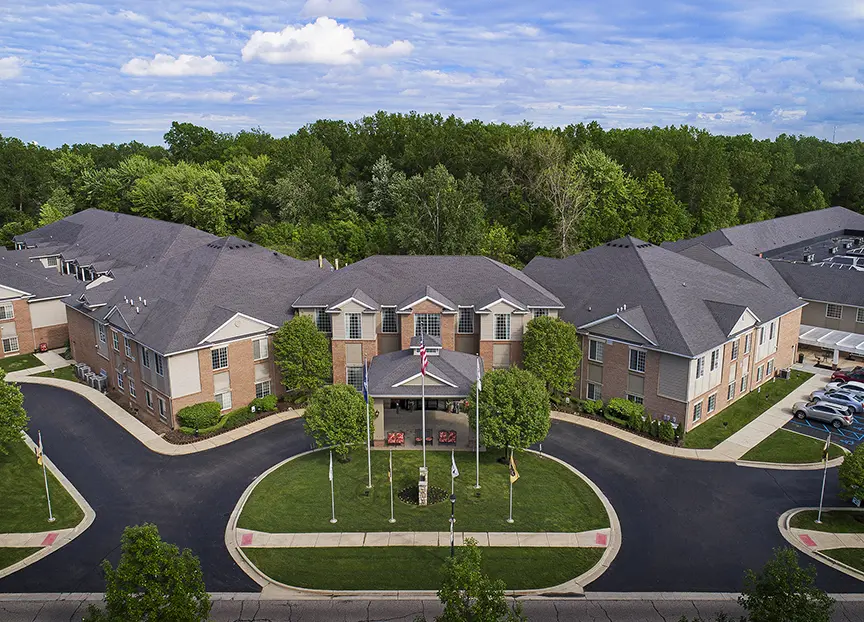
(837, 521)
(9, 556)
(742, 412)
(64, 373)
(790, 447)
(22, 361)
(22, 489)
(850, 557)
(547, 497)
(416, 567)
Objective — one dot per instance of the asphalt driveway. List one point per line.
(687, 525)
(849, 437)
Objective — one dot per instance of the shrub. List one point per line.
(265, 404)
(679, 431)
(238, 417)
(655, 428)
(610, 417)
(591, 407)
(198, 416)
(666, 432)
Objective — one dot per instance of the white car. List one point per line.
(852, 385)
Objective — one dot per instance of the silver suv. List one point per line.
(834, 414)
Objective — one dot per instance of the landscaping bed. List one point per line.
(19, 362)
(834, 521)
(224, 423)
(547, 497)
(417, 567)
(12, 555)
(788, 447)
(624, 415)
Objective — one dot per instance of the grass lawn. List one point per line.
(64, 373)
(850, 557)
(742, 412)
(9, 556)
(416, 567)
(547, 497)
(22, 361)
(790, 447)
(22, 490)
(837, 521)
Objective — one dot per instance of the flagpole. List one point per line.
(392, 518)
(477, 426)
(368, 439)
(510, 520)
(423, 401)
(824, 475)
(332, 494)
(452, 477)
(51, 518)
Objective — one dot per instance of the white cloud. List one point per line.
(323, 42)
(459, 79)
(165, 65)
(788, 115)
(846, 84)
(10, 67)
(349, 9)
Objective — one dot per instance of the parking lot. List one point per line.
(847, 437)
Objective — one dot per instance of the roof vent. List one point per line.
(683, 284)
(137, 309)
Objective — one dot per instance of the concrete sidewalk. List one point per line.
(812, 542)
(58, 538)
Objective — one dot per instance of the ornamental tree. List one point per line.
(514, 408)
(551, 352)
(302, 353)
(851, 474)
(154, 580)
(336, 416)
(13, 417)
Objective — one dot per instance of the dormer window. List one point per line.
(388, 320)
(323, 321)
(427, 324)
(353, 326)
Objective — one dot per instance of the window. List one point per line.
(7, 312)
(466, 321)
(354, 376)
(120, 380)
(769, 368)
(502, 326)
(116, 339)
(712, 403)
(224, 400)
(102, 336)
(163, 414)
(859, 315)
(260, 349)
(127, 344)
(219, 357)
(262, 388)
(835, 312)
(638, 399)
(427, 324)
(744, 383)
(148, 397)
(594, 391)
(730, 391)
(735, 350)
(10, 344)
(637, 360)
(761, 335)
(747, 342)
(160, 364)
(353, 326)
(132, 387)
(771, 330)
(595, 350)
(52, 262)
(323, 321)
(759, 374)
(697, 411)
(388, 320)
(715, 359)
(145, 357)
(700, 366)
(541, 312)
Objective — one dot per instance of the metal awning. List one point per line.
(831, 339)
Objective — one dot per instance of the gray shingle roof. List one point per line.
(394, 279)
(823, 284)
(18, 272)
(673, 291)
(457, 368)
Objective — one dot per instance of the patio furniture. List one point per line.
(395, 438)
(451, 437)
(442, 437)
(418, 439)
(400, 438)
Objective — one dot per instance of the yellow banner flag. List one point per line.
(39, 451)
(514, 474)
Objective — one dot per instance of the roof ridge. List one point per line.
(659, 294)
(527, 280)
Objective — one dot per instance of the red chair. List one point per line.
(391, 438)
(442, 437)
(451, 437)
(400, 438)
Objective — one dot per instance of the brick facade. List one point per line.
(23, 328)
(657, 405)
(55, 336)
(368, 346)
(82, 340)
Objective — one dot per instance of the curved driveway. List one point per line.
(687, 525)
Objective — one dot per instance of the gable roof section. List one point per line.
(499, 295)
(389, 374)
(32, 279)
(424, 294)
(822, 284)
(728, 315)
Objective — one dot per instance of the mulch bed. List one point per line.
(177, 437)
(613, 424)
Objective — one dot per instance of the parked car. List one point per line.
(853, 401)
(856, 374)
(852, 385)
(833, 414)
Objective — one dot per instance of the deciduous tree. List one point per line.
(303, 354)
(514, 408)
(336, 415)
(550, 351)
(851, 474)
(13, 417)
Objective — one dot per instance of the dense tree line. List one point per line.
(425, 184)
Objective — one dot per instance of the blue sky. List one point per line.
(121, 71)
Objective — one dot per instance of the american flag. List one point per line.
(423, 360)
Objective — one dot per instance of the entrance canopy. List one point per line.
(852, 343)
(449, 375)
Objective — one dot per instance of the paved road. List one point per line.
(687, 525)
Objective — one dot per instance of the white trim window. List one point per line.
(834, 312)
(132, 387)
(323, 321)
(636, 399)
(744, 379)
(637, 360)
(163, 412)
(859, 315)
(715, 359)
(697, 412)
(10, 344)
(759, 374)
(145, 357)
(595, 350)
(761, 335)
(427, 324)
(465, 326)
(127, 345)
(540, 312)
(260, 349)
(262, 389)
(502, 327)
(159, 364)
(219, 357)
(354, 376)
(700, 366)
(148, 398)
(712, 402)
(730, 391)
(769, 368)
(747, 340)
(116, 339)
(771, 328)
(735, 345)
(7, 311)
(120, 380)
(388, 320)
(102, 337)
(353, 326)
(223, 399)
(51, 262)
(594, 391)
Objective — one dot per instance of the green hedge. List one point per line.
(266, 403)
(592, 407)
(198, 416)
(235, 418)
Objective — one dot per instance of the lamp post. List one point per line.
(452, 525)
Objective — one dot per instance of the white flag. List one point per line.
(331, 466)
(454, 472)
(479, 384)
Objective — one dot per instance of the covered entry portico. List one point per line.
(832, 341)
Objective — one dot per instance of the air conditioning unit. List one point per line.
(784, 373)
(833, 250)
(88, 378)
(81, 370)
(100, 383)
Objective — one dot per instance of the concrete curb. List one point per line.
(790, 466)
(148, 437)
(89, 516)
(783, 526)
(275, 590)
